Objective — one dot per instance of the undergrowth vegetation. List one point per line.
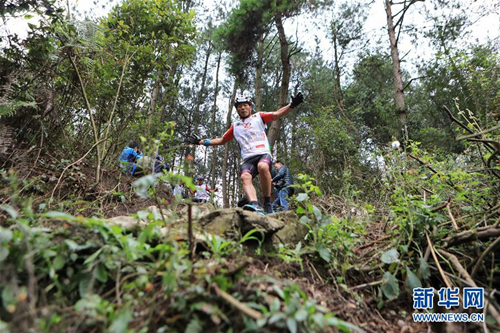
(62, 271)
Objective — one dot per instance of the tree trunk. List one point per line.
(196, 113)
(225, 194)
(285, 80)
(212, 124)
(258, 73)
(171, 101)
(337, 90)
(154, 99)
(398, 82)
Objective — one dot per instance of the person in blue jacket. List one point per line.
(128, 160)
(160, 164)
(283, 182)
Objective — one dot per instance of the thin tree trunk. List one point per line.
(154, 98)
(285, 80)
(294, 135)
(196, 114)
(235, 176)
(337, 88)
(115, 103)
(171, 102)
(212, 124)
(258, 73)
(92, 120)
(225, 194)
(398, 82)
(231, 180)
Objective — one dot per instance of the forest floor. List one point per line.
(351, 297)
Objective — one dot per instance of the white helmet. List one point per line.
(242, 99)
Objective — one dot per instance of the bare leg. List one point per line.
(248, 188)
(265, 178)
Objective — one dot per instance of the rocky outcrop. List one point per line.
(235, 223)
(231, 223)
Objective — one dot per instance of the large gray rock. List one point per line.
(235, 223)
(126, 222)
(197, 211)
(231, 223)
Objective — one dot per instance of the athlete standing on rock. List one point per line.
(250, 133)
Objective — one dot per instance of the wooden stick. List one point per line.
(484, 254)
(461, 270)
(438, 208)
(485, 327)
(315, 271)
(364, 285)
(445, 278)
(471, 235)
(254, 314)
(190, 231)
(451, 215)
(374, 241)
(478, 133)
(70, 165)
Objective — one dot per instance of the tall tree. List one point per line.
(346, 28)
(226, 180)
(242, 30)
(401, 111)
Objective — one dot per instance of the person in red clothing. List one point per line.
(202, 192)
(250, 133)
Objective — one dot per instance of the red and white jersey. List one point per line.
(251, 134)
(202, 192)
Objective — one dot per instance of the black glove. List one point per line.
(192, 139)
(297, 99)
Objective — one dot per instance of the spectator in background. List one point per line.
(180, 191)
(282, 181)
(202, 193)
(129, 158)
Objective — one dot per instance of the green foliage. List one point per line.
(241, 32)
(220, 247)
(446, 185)
(370, 97)
(329, 238)
(10, 108)
(292, 311)
(463, 77)
(86, 265)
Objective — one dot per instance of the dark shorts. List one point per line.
(250, 165)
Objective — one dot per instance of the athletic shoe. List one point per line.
(268, 208)
(252, 208)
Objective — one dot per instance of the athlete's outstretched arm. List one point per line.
(280, 113)
(213, 142)
(228, 136)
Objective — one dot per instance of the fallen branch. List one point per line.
(484, 254)
(70, 165)
(374, 241)
(438, 208)
(190, 231)
(478, 133)
(462, 272)
(364, 285)
(441, 271)
(239, 268)
(254, 314)
(459, 123)
(311, 265)
(471, 235)
(451, 215)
